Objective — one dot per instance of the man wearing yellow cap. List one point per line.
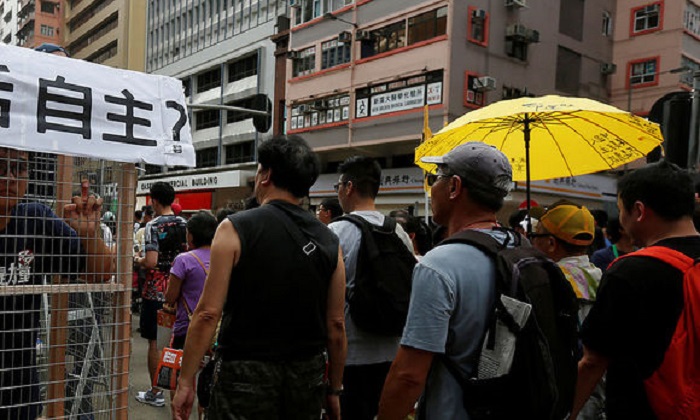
(564, 233)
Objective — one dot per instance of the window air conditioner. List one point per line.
(607, 68)
(345, 37)
(485, 83)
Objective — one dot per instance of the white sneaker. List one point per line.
(148, 397)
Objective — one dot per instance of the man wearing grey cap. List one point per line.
(453, 287)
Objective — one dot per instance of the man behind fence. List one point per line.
(35, 244)
(277, 274)
(165, 238)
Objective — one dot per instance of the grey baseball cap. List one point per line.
(477, 159)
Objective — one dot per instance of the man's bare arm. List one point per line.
(405, 383)
(590, 370)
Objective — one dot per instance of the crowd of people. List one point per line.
(273, 287)
(289, 346)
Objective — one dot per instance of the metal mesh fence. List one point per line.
(66, 232)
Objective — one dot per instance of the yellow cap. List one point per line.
(570, 223)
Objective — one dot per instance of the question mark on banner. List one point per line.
(180, 122)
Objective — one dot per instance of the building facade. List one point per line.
(109, 32)
(655, 41)
(29, 23)
(223, 53)
(362, 73)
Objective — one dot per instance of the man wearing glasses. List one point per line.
(36, 243)
(453, 287)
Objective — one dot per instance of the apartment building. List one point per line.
(29, 23)
(655, 42)
(223, 53)
(109, 32)
(362, 73)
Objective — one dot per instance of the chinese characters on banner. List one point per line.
(61, 105)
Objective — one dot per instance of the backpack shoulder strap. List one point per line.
(483, 241)
(670, 256)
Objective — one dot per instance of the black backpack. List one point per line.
(542, 378)
(378, 302)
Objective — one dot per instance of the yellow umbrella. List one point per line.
(550, 136)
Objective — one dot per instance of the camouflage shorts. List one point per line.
(269, 390)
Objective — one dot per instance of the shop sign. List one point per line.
(400, 95)
(208, 181)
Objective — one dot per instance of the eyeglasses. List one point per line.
(19, 168)
(337, 185)
(431, 179)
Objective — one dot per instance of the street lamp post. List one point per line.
(693, 153)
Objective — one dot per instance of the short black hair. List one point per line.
(365, 174)
(223, 213)
(138, 214)
(663, 187)
(600, 216)
(163, 192)
(295, 167)
(202, 226)
(516, 217)
(613, 229)
(148, 211)
(333, 205)
(423, 233)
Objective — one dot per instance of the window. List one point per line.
(312, 9)
(691, 19)
(186, 88)
(104, 54)
(209, 80)
(94, 34)
(153, 169)
(385, 39)
(646, 18)
(48, 7)
(235, 116)
(206, 119)
(510, 92)
(516, 48)
(427, 25)
(643, 72)
(240, 153)
(687, 76)
(206, 158)
(305, 63)
(242, 68)
(478, 27)
(328, 110)
(46, 30)
(568, 71)
(334, 52)
(607, 24)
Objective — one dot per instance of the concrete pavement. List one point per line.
(139, 380)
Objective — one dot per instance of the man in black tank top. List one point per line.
(276, 276)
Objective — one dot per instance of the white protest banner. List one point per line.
(61, 105)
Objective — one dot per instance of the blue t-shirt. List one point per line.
(451, 301)
(36, 243)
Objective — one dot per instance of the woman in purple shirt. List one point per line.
(188, 272)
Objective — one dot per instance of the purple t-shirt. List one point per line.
(190, 271)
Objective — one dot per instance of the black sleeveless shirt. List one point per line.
(276, 304)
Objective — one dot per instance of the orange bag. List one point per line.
(168, 370)
(673, 389)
